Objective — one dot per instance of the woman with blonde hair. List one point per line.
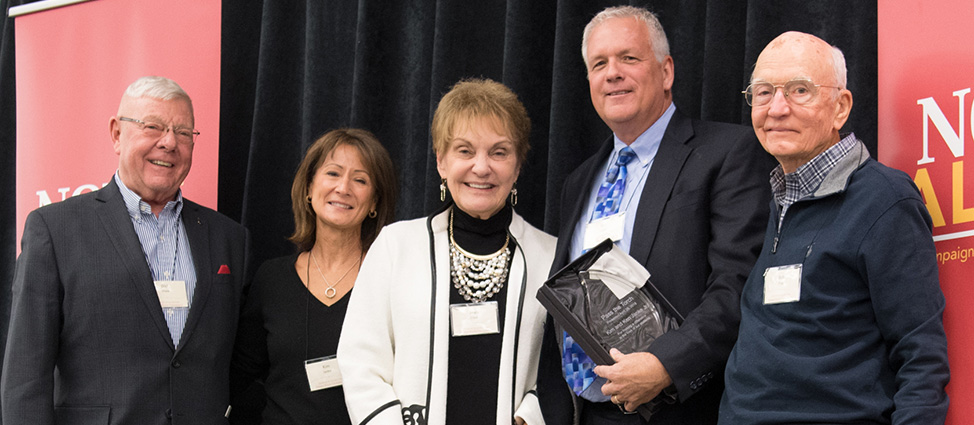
(444, 327)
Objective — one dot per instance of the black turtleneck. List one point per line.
(478, 236)
(475, 360)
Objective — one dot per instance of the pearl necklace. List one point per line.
(330, 291)
(477, 277)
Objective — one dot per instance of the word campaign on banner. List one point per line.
(926, 121)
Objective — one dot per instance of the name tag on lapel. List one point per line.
(610, 227)
(172, 293)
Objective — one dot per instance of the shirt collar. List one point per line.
(136, 206)
(791, 187)
(647, 144)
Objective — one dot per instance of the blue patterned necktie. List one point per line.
(610, 193)
(578, 366)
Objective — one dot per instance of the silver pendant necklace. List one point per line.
(477, 277)
(330, 290)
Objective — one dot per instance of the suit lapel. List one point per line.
(118, 226)
(673, 152)
(197, 230)
(576, 200)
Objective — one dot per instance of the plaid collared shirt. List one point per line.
(792, 187)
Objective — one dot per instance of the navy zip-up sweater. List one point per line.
(865, 342)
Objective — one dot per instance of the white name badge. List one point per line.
(323, 373)
(782, 284)
(611, 227)
(172, 293)
(474, 319)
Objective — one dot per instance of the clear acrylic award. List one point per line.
(604, 299)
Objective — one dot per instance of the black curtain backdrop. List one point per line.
(292, 70)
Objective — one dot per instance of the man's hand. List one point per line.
(634, 379)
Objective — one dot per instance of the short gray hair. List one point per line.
(838, 66)
(657, 36)
(160, 88)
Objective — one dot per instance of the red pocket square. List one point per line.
(224, 269)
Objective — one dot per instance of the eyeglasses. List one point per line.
(154, 130)
(798, 91)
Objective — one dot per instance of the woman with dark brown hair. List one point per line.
(343, 193)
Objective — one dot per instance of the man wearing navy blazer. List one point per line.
(692, 212)
(125, 300)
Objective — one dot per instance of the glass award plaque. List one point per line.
(604, 299)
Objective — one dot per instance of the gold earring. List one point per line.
(442, 190)
(372, 214)
(309, 199)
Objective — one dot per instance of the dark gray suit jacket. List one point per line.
(698, 230)
(88, 343)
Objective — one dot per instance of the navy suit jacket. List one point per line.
(88, 342)
(698, 230)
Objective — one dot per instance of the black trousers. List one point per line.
(606, 413)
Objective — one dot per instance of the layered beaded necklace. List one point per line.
(478, 277)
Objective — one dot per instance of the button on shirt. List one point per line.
(645, 146)
(166, 248)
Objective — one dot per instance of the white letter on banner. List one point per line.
(81, 189)
(43, 198)
(932, 112)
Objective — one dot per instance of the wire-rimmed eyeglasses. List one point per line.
(156, 130)
(798, 91)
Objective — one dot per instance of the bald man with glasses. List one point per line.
(841, 317)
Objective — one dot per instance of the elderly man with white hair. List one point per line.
(841, 317)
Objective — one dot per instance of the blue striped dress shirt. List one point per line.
(645, 146)
(166, 248)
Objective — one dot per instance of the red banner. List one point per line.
(74, 62)
(926, 117)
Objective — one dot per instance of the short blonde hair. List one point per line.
(481, 98)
